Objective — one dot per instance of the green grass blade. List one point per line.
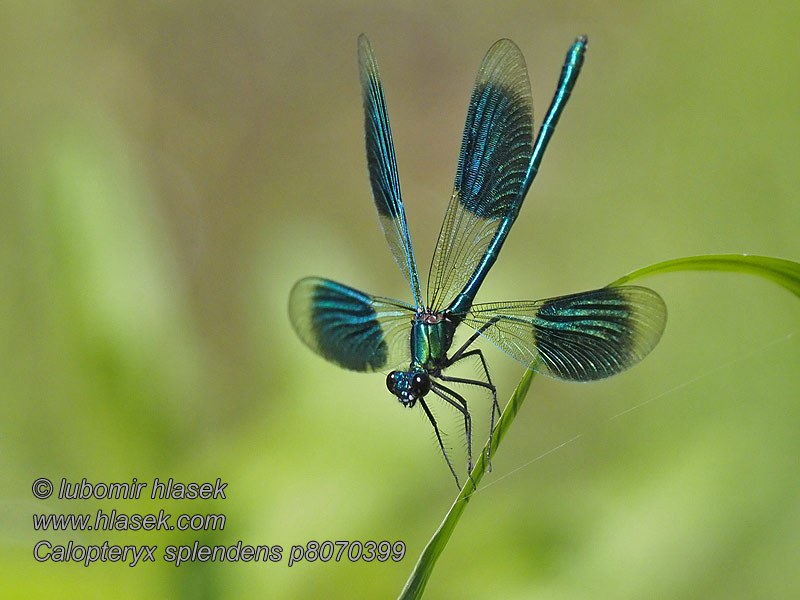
(785, 273)
(422, 570)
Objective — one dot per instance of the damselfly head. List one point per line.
(408, 386)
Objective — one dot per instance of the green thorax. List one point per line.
(431, 337)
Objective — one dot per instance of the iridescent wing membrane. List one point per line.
(580, 337)
(495, 153)
(383, 167)
(347, 327)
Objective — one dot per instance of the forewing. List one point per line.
(580, 337)
(347, 327)
(383, 167)
(495, 155)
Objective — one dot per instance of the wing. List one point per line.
(580, 337)
(383, 167)
(347, 327)
(495, 154)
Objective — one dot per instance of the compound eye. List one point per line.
(420, 384)
(391, 382)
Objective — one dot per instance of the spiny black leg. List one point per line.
(460, 355)
(461, 406)
(457, 356)
(439, 437)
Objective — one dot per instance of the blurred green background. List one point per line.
(169, 170)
